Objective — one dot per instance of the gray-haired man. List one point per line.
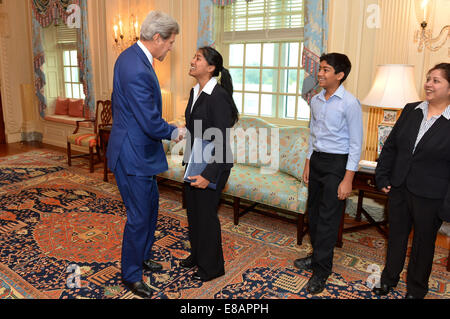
(135, 152)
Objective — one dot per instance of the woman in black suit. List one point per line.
(414, 169)
(210, 109)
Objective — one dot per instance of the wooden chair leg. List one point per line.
(91, 159)
(236, 204)
(97, 149)
(300, 228)
(69, 155)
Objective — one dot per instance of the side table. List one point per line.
(364, 182)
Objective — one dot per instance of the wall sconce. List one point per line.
(425, 36)
(124, 37)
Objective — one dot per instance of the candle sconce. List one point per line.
(125, 37)
(424, 36)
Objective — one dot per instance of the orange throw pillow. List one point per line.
(76, 107)
(62, 106)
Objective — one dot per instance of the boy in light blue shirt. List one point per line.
(336, 133)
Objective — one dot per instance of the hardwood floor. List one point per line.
(22, 147)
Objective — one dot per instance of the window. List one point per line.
(61, 65)
(262, 46)
(73, 88)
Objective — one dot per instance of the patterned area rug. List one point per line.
(61, 231)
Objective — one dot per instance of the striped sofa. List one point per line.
(266, 176)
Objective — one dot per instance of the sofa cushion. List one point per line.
(176, 170)
(62, 106)
(293, 146)
(293, 150)
(273, 188)
(83, 139)
(66, 119)
(76, 107)
(246, 142)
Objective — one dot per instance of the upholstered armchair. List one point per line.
(103, 117)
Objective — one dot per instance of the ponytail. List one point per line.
(214, 58)
(227, 83)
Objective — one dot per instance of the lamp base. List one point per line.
(385, 127)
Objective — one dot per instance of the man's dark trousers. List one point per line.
(324, 208)
(141, 198)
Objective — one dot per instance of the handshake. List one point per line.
(179, 134)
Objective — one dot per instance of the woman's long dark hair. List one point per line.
(214, 58)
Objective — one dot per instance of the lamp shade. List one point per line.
(393, 87)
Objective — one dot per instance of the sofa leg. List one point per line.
(300, 229)
(236, 204)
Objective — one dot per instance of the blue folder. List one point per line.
(201, 154)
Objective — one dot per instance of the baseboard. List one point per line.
(31, 137)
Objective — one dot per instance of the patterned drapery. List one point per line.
(206, 23)
(84, 63)
(45, 13)
(38, 62)
(315, 44)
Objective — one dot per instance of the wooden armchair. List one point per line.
(103, 117)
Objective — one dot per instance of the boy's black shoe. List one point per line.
(383, 290)
(303, 263)
(316, 284)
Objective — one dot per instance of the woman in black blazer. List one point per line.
(210, 110)
(414, 169)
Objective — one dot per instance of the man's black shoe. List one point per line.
(316, 284)
(188, 262)
(152, 265)
(303, 263)
(383, 290)
(140, 289)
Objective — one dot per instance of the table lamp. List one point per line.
(391, 90)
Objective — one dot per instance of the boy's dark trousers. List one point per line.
(324, 208)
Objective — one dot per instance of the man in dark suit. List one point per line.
(135, 152)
